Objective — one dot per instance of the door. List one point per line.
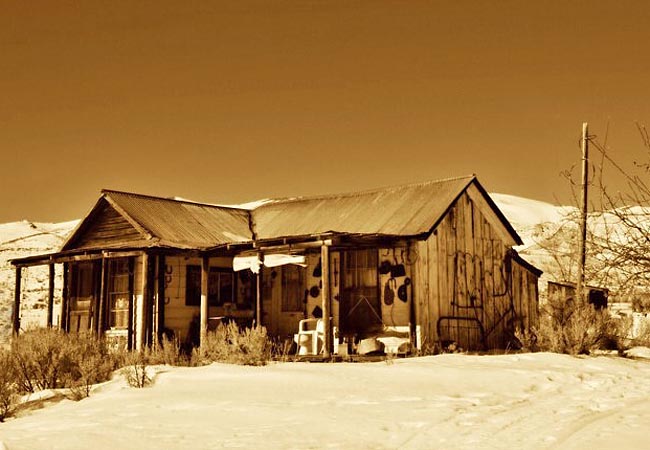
(118, 302)
(360, 308)
(291, 308)
(84, 292)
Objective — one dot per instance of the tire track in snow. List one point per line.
(589, 420)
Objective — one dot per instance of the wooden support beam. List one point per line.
(130, 332)
(148, 298)
(411, 299)
(326, 300)
(160, 305)
(258, 292)
(16, 313)
(101, 316)
(205, 271)
(141, 319)
(65, 296)
(50, 295)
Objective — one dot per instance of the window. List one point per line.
(220, 286)
(293, 290)
(119, 296)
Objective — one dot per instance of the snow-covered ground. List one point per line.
(519, 401)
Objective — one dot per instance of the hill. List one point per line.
(19, 239)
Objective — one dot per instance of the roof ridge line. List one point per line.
(362, 192)
(156, 197)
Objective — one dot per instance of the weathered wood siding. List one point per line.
(525, 295)
(106, 228)
(464, 284)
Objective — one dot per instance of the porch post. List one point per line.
(102, 298)
(65, 295)
(16, 314)
(50, 295)
(148, 299)
(205, 270)
(160, 305)
(258, 293)
(327, 320)
(141, 319)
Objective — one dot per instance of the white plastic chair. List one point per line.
(310, 336)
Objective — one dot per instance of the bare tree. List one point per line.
(619, 225)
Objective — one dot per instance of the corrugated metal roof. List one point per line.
(183, 223)
(401, 210)
(407, 210)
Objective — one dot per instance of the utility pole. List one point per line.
(583, 215)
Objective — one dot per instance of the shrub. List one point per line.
(168, 351)
(568, 326)
(8, 387)
(43, 357)
(229, 344)
(283, 350)
(92, 363)
(47, 358)
(135, 372)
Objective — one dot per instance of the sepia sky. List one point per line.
(235, 101)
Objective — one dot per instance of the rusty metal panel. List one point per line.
(402, 210)
(184, 223)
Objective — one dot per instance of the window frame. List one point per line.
(215, 274)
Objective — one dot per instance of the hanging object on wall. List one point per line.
(402, 291)
(385, 267)
(318, 270)
(389, 293)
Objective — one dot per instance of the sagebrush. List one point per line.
(568, 326)
(230, 344)
(8, 385)
(47, 358)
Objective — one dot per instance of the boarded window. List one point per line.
(293, 288)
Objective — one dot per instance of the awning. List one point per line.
(253, 263)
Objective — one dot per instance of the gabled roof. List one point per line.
(147, 221)
(407, 210)
(163, 222)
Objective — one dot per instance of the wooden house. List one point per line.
(431, 261)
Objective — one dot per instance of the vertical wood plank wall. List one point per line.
(468, 289)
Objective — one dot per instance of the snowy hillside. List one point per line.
(548, 232)
(19, 239)
(523, 401)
